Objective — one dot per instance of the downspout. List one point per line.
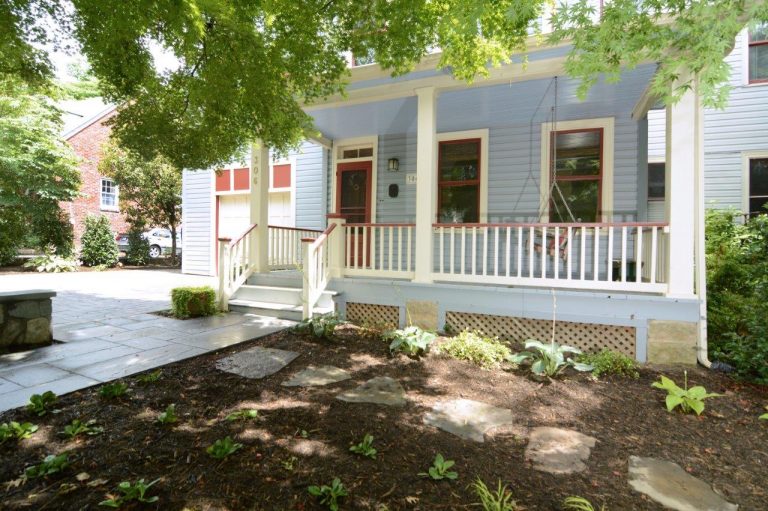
(700, 261)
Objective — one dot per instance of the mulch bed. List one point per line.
(726, 446)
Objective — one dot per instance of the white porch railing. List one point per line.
(285, 246)
(598, 256)
(317, 254)
(379, 250)
(235, 263)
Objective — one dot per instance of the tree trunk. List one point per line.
(173, 244)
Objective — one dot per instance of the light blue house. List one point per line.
(735, 138)
(496, 206)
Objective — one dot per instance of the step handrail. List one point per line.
(317, 258)
(235, 263)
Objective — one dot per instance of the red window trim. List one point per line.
(598, 177)
(750, 44)
(441, 183)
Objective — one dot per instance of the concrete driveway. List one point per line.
(104, 330)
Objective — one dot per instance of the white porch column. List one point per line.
(426, 193)
(260, 207)
(682, 170)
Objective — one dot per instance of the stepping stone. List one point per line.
(381, 390)
(256, 362)
(558, 451)
(466, 418)
(671, 486)
(317, 376)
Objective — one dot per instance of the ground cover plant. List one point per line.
(277, 462)
(607, 362)
(223, 447)
(16, 430)
(329, 495)
(487, 352)
(51, 464)
(168, 416)
(131, 491)
(40, 404)
(365, 447)
(440, 469)
(78, 427)
(113, 390)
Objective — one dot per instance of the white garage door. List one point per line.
(234, 215)
(280, 212)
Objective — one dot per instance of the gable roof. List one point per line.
(78, 115)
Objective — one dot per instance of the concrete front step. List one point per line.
(280, 295)
(271, 309)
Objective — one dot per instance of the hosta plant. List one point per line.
(130, 492)
(439, 469)
(499, 500)
(322, 326)
(689, 400)
(152, 377)
(365, 448)
(52, 263)
(50, 465)
(113, 390)
(16, 430)
(412, 341)
(329, 495)
(168, 416)
(764, 417)
(40, 404)
(548, 359)
(78, 427)
(223, 447)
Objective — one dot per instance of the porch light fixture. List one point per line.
(394, 164)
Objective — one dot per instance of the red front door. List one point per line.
(353, 202)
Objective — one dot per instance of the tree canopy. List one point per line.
(242, 70)
(37, 170)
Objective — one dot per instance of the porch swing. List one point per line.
(555, 248)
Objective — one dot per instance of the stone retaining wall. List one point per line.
(25, 319)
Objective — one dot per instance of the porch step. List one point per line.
(275, 310)
(283, 302)
(286, 278)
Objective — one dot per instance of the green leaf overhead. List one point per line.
(199, 79)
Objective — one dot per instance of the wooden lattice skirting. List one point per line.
(369, 314)
(589, 337)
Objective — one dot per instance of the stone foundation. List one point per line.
(25, 319)
(672, 342)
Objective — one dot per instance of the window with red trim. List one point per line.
(577, 169)
(758, 53)
(458, 181)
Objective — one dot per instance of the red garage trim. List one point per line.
(281, 176)
(242, 179)
(222, 181)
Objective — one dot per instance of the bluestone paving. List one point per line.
(31, 376)
(8, 386)
(104, 328)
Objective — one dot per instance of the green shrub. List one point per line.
(610, 362)
(53, 229)
(138, 247)
(191, 302)
(737, 293)
(98, 242)
(12, 230)
(487, 352)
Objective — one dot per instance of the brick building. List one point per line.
(85, 130)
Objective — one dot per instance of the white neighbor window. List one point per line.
(108, 194)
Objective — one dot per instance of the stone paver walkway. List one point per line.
(104, 331)
(558, 450)
(467, 419)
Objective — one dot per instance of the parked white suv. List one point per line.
(160, 242)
